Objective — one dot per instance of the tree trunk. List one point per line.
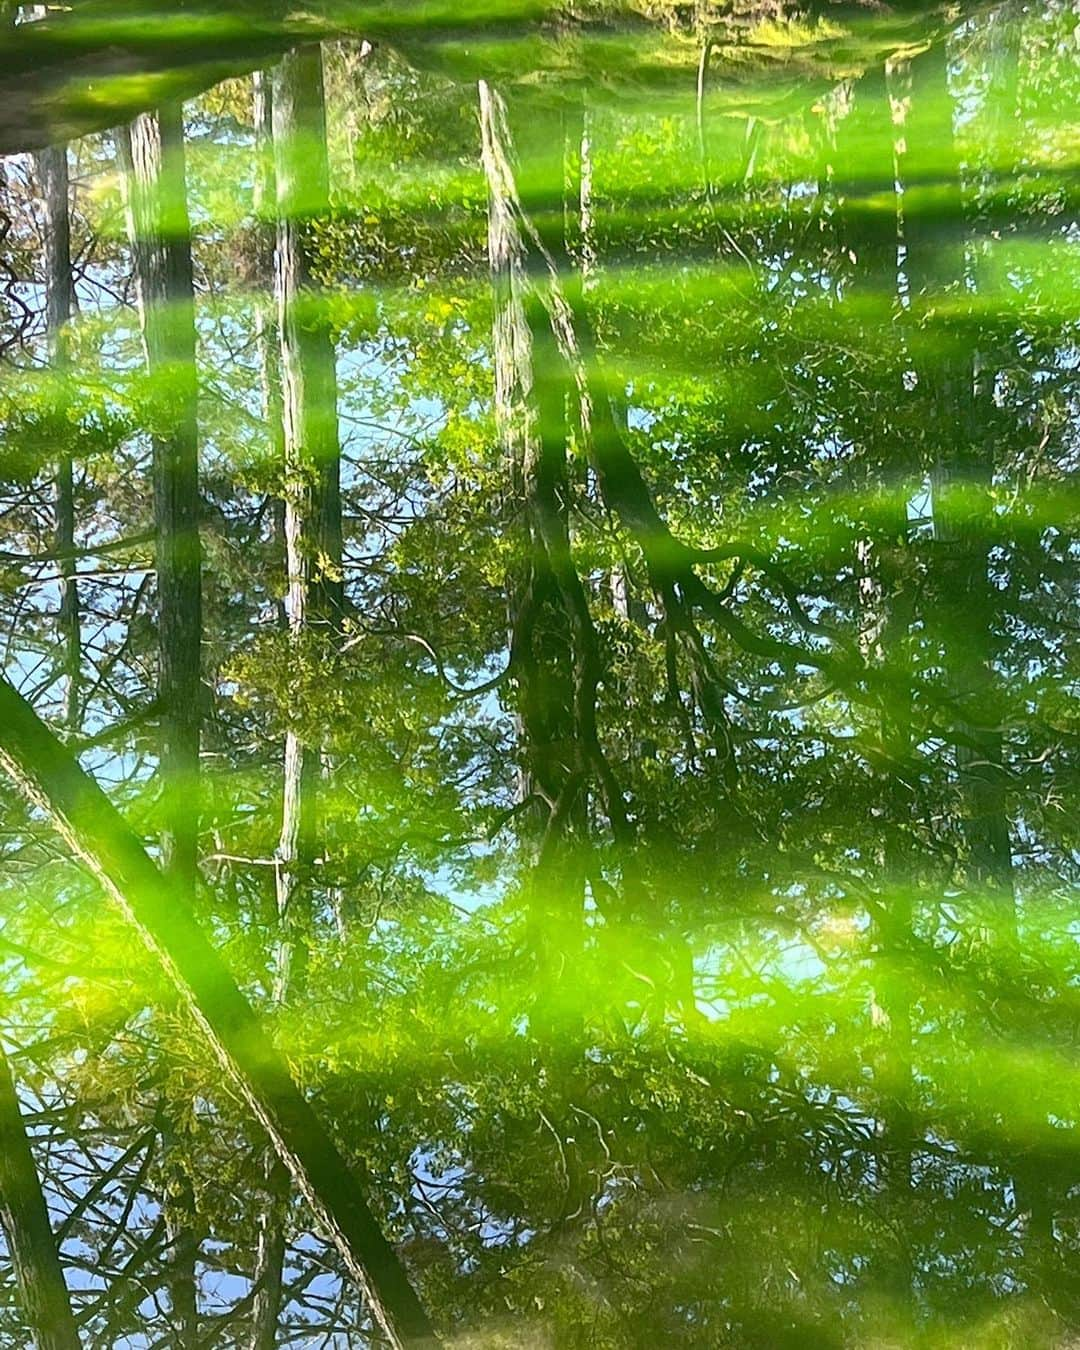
(152, 153)
(553, 648)
(981, 763)
(960, 458)
(312, 517)
(885, 563)
(52, 166)
(182, 1234)
(962, 462)
(52, 779)
(291, 121)
(270, 1254)
(270, 1245)
(530, 411)
(267, 336)
(543, 394)
(25, 1218)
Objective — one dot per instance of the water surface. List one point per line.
(556, 530)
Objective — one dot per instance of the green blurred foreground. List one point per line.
(556, 532)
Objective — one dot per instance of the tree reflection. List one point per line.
(621, 843)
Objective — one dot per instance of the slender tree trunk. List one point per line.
(152, 153)
(981, 763)
(270, 1254)
(51, 779)
(52, 165)
(531, 414)
(885, 563)
(515, 417)
(960, 451)
(291, 118)
(267, 337)
(312, 517)
(624, 602)
(270, 1245)
(25, 1219)
(182, 1233)
(962, 461)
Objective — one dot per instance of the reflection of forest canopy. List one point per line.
(552, 536)
(77, 66)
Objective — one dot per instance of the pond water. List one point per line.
(553, 532)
